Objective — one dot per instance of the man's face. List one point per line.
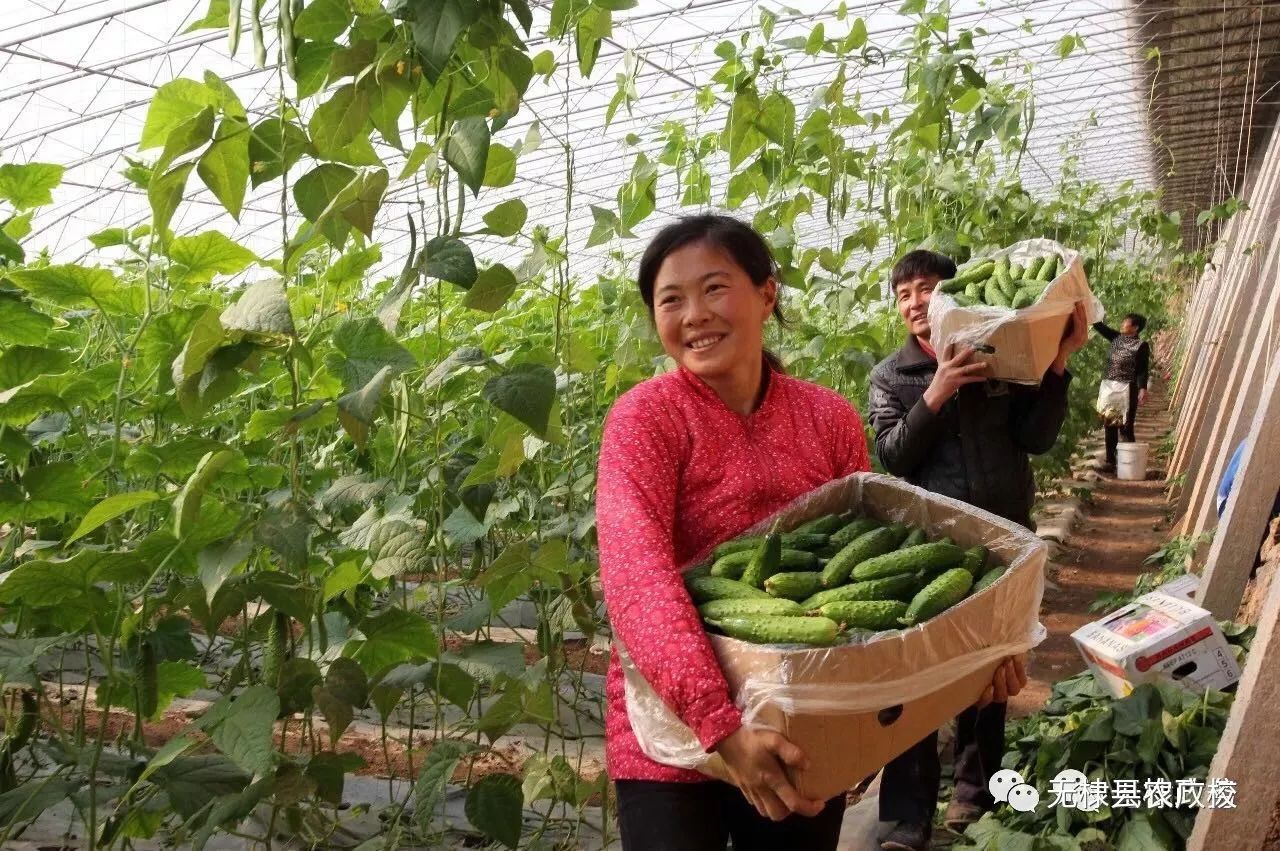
(913, 303)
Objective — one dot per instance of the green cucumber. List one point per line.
(901, 587)
(873, 543)
(925, 557)
(737, 608)
(938, 596)
(975, 558)
(765, 561)
(823, 525)
(780, 629)
(735, 564)
(915, 538)
(852, 531)
(704, 589)
(866, 614)
(795, 585)
(987, 578)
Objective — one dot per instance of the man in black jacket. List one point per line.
(1128, 361)
(941, 425)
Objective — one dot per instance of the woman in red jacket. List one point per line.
(690, 459)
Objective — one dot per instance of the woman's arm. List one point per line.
(649, 609)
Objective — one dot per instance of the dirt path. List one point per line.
(1124, 524)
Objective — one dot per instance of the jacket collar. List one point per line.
(912, 358)
(767, 404)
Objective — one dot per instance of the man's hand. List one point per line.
(954, 371)
(755, 760)
(1142, 396)
(1075, 338)
(1009, 679)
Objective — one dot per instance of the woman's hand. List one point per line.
(755, 760)
(1142, 396)
(1009, 679)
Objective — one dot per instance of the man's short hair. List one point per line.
(921, 263)
(1139, 321)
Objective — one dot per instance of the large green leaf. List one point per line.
(741, 137)
(507, 218)
(199, 258)
(397, 546)
(314, 58)
(22, 324)
(263, 308)
(514, 571)
(173, 104)
(321, 192)
(65, 286)
(638, 197)
(186, 137)
(31, 799)
(449, 259)
(526, 392)
(489, 661)
(387, 103)
(365, 348)
(186, 506)
(111, 508)
(436, 27)
(392, 637)
(495, 805)
(192, 783)
(777, 119)
(607, 225)
(165, 194)
(275, 145)
(54, 491)
(363, 207)
(18, 656)
(500, 166)
(224, 168)
(435, 776)
(336, 122)
(242, 727)
(323, 20)
(357, 409)
(20, 364)
(176, 679)
(30, 185)
(492, 288)
(468, 151)
(595, 25)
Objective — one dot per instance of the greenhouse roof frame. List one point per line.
(93, 137)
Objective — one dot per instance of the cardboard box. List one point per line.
(1158, 638)
(1184, 587)
(853, 708)
(1024, 341)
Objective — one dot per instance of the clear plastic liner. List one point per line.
(790, 686)
(977, 325)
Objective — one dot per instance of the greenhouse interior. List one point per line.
(639, 424)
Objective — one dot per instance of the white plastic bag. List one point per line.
(1113, 401)
(878, 671)
(950, 323)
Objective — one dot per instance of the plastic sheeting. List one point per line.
(869, 672)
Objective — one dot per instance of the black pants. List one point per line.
(910, 785)
(704, 816)
(1117, 432)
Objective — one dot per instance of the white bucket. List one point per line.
(1131, 461)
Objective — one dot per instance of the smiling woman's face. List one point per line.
(709, 314)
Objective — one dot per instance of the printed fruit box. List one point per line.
(1020, 319)
(854, 706)
(1160, 637)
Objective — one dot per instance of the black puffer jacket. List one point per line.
(975, 449)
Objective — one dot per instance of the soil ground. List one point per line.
(1125, 523)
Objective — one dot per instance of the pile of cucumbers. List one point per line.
(999, 283)
(838, 575)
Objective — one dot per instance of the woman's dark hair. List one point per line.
(1139, 321)
(921, 263)
(739, 240)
